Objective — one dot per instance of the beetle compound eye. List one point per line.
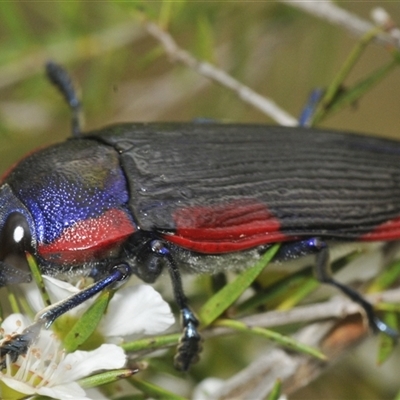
(15, 239)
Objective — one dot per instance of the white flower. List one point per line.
(133, 310)
(208, 389)
(47, 370)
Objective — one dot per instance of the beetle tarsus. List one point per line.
(190, 344)
(324, 275)
(380, 326)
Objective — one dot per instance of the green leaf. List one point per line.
(12, 299)
(292, 288)
(277, 290)
(387, 344)
(282, 340)
(205, 39)
(87, 324)
(386, 278)
(275, 393)
(217, 304)
(15, 23)
(107, 377)
(165, 14)
(336, 85)
(37, 277)
(307, 287)
(397, 396)
(154, 391)
(152, 343)
(351, 95)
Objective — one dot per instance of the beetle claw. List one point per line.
(189, 348)
(380, 326)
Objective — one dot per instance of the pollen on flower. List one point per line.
(48, 370)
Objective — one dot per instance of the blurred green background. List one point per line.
(123, 75)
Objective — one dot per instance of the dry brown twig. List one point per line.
(265, 105)
(329, 11)
(342, 327)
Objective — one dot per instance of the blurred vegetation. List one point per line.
(124, 75)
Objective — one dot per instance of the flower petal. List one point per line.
(64, 392)
(14, 323)
(208, 389)
(136, 309)
(83, 363)
(18, 385)
(56, 289)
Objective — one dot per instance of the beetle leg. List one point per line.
(324, 275)
(190, 342)
(18, 344)
(309, 109)
(293, 250)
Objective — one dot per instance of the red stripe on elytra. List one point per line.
(89, 239)
(227, 246)
(389, 230)
(235, 226)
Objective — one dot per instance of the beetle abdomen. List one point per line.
(185, 181)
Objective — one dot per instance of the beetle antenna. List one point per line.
(59, 77)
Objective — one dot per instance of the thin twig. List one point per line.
(210, 71)
(333, 337)
(294, 370)
(337, 307)
(330, 12)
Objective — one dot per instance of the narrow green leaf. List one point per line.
(386, 343)
(12, 299)
(154, 391)
(290, 285)
(351, 95)
(386, 278)
(397, 396)
(87, 324)
(107, 377)
(14, 22)
(278, 289)
(387, 307)
(152, 343)
(303, 291)
(205, 39)
(275, 393)
(138, 396)
(282, 340)
(217, 304)
(334, 88)
(165, 14)
(37, 277)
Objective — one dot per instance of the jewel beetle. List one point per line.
(136, 198)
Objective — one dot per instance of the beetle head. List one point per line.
(16, 238)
